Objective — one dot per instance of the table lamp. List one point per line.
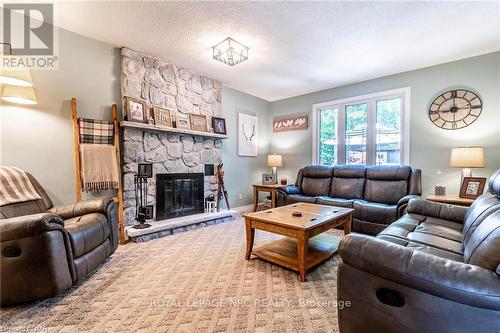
(274, 161)
(467, 158)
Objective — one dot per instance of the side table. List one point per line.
(272, 189)
(450, 199)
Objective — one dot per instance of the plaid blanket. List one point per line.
(15, 186)
(96, 131)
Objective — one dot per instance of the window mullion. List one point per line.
(370, 132)
(341, 135)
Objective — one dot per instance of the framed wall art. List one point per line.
(291, 123)
(198, 122)
(247, 135)
(136, 110)
(162, 117)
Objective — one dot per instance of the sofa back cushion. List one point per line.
(316, 180)
(482, 207)
(483, 246)
(386, 183)
(348, 181)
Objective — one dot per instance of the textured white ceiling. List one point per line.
(295, 47)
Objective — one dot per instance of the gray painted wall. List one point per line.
(38, 138)
(242, 171)
(430, 146)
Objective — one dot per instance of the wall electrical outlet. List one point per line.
(240, 196)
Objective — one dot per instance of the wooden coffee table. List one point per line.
(305, 245)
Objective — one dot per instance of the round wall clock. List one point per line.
(455, 109)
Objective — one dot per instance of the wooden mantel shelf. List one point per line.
(154, 128)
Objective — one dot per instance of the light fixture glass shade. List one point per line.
(19, 95)
(467, 157)
(230, 52)
(274, 160)
(20, 77)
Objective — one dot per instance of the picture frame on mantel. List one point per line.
(136, 110)
(219, 125)
(182, 122)
(247, 135)
(162, 117)
(198, 123)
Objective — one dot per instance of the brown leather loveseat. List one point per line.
(379, 194)
(436, 269)
(46, 249)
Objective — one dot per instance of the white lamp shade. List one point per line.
(274, 160)
(20, 78)
(19, 95)
(467, 157)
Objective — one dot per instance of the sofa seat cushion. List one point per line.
(293, 198)
(436, 242)
(87, 232)
(421, 247)
(338, 202)
(375, 212)
(436, 251)
(449, 232)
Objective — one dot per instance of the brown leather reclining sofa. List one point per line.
(436, 269)
(378, 194)
(46, 249)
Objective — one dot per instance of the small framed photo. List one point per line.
(162, 117)
(219, 125)
(136, 110)
(472, 187)
(198, 122)
(182, 121)
(268, 179)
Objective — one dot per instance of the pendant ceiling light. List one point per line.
(230, 52)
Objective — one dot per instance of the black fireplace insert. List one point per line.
(179, 194)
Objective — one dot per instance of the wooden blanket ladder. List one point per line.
(76, 155)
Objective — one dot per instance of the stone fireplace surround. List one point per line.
(181, 91)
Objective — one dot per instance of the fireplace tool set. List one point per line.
(143, 210)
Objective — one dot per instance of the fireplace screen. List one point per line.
(179, 194)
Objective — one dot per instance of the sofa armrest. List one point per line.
(437, 210)
(105, 206)
(403, 203)
(80, 208)
(404, 200)
(29, 225)
(448, 279)
(290, 189)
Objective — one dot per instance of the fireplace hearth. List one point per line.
(179, 194)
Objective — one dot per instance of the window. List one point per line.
(365, 130)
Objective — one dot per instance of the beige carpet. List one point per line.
(196, 281)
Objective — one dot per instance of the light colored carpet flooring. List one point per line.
(196, 281)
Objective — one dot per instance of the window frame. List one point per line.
(371, 101)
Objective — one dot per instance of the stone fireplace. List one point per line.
(173, 153)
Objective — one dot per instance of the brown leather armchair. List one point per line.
(436, 269)
(46, 249)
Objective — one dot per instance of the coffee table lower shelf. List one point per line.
(283, 252)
